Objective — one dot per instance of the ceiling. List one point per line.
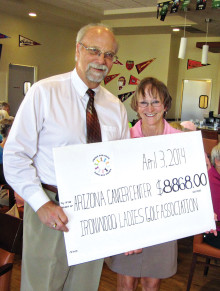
(125, 16)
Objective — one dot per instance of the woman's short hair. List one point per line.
(155, 87)
(215, 154)
(177, 125)
(5, 126)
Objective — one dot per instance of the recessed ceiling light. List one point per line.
(32, 14)
(176, 29)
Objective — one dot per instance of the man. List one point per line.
(53, 114)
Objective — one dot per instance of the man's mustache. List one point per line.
(99, 67)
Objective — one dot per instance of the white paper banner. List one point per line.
(128, 194)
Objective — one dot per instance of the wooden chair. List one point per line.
(210, 139)
(12, 200)
(210, 134)
(209, 145)
(10, 243)
(202, 249)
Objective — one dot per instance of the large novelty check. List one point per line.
(128, 194)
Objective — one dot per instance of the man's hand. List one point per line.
(53, 216)
(138, 251)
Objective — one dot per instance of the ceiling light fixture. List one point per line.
(32, 14)
(176, 29)
(205, 47)
(183, 43)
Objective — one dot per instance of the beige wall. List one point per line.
(56, 55)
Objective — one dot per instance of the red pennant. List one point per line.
(191, 64)
(133, 80)
(109, 78)
(117, 63)
(140, 67)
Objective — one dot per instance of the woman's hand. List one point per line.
(214, 231)
(138, 251)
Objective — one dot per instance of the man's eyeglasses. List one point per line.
(154, 103)
(97, 52)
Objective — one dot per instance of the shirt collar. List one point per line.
(80, 86)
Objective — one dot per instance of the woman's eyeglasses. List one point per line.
(97, 52)
(154, 103)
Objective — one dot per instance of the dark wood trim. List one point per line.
(214, 47)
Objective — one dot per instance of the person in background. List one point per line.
(5, 106)
(190, 126)
(151, 101)
(3, 115)
(214, 181)
(176, 124)
(5, 126)
(29, 165)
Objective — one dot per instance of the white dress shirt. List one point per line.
(53, 114)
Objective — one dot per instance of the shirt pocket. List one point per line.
(110, 133)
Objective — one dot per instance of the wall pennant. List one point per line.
(140, 67)
(24, 41)
(215, 4)
(121, 82)
(130, 65)
(4, 36)
(117, 63)
(125, 96)
(175, 6)
(164, 9)
(185, 5)
(133, 80)
(109, 78)
(191, 64)
(201, 4)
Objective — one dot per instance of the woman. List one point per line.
(151, 101)
(214, 181)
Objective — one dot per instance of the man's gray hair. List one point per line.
(215, 154)
(82, 32)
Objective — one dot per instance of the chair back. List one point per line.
(10, 232)
(209, 145)
(10, 243)
(210, 134)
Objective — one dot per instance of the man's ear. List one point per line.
(77, 50)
